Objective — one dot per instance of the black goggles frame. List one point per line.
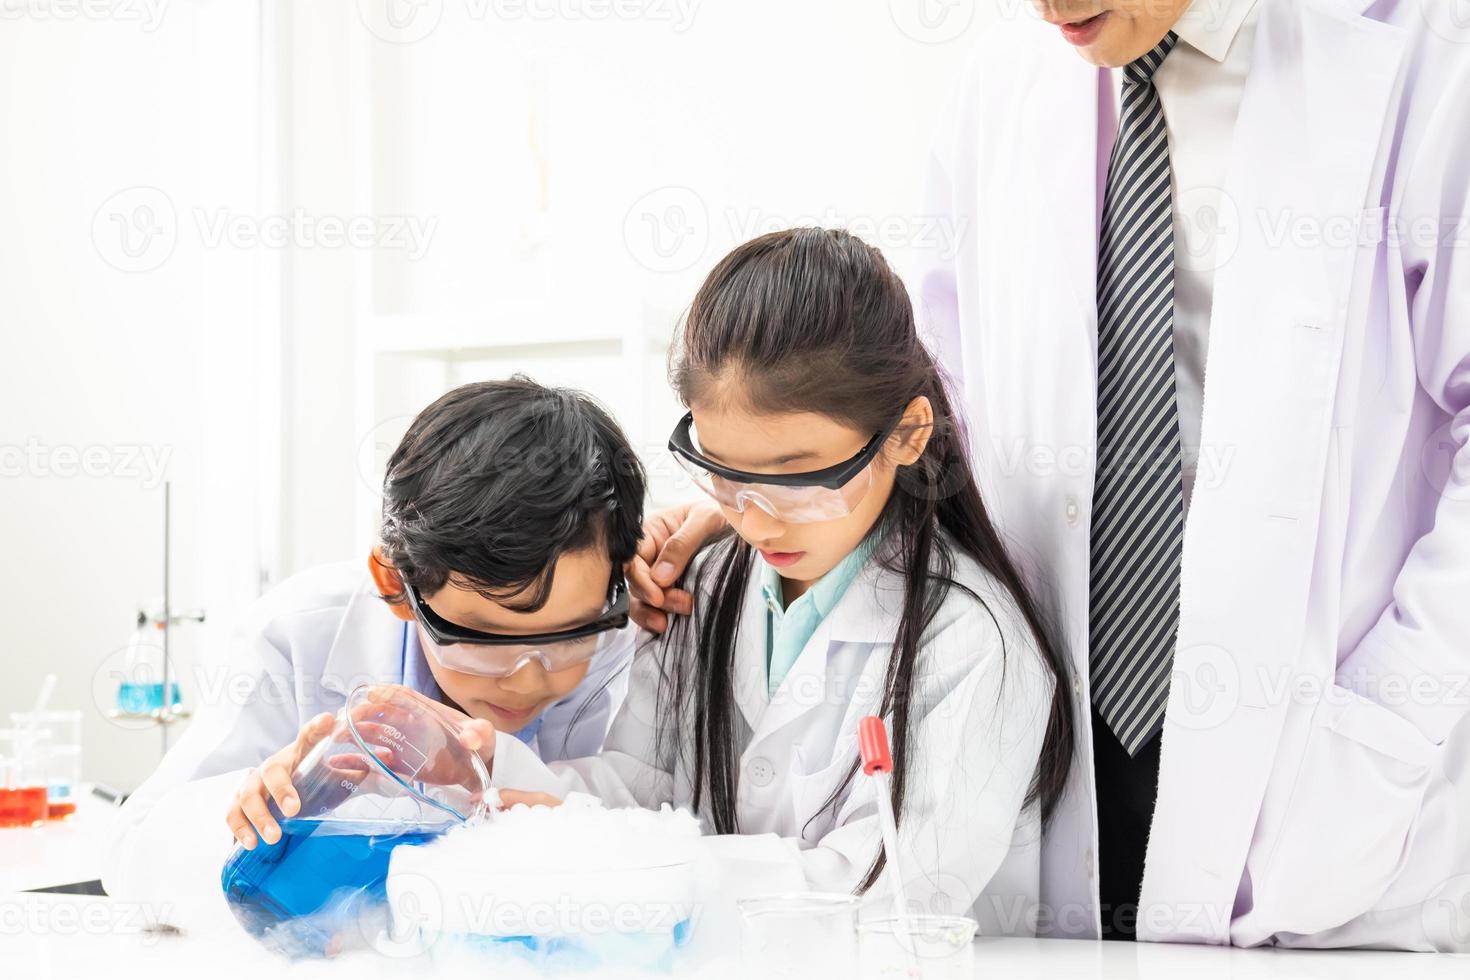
(832, 477)
(445, 633)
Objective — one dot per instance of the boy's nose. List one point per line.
(529, 679)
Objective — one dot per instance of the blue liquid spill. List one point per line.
(138, 698)
(656, 952)
(300, 892)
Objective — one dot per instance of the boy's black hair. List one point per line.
(496, 480)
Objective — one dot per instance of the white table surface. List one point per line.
(62, 937)
(60, 851)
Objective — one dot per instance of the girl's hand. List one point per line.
(249, 818)
(513, 797)
(670, 538)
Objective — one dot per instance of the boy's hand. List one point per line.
(670, 538)
(249, 817)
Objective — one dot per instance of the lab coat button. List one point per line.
(761, 771)
(1073, 511)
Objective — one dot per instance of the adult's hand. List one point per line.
(670, 538)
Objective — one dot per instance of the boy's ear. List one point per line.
(389, 583)
(911, 437)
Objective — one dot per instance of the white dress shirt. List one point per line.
(1200, 84)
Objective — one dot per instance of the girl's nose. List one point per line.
(758, 527)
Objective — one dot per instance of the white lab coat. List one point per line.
(981, 699)
(300, 651)
(1305, 797)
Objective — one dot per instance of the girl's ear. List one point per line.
(911, 437)
(389, 583)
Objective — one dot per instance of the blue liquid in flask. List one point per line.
(297, 892)
(134, 697)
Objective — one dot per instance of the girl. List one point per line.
(864, 578)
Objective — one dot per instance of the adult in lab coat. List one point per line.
(979, 706)
(1313, 787)
(302, 650)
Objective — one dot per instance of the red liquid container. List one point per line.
(23, 806)
(60, 810)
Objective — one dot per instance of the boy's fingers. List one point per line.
(313, 732)
(259, 815)
(513, 797)
(277, 781)
(240, 827)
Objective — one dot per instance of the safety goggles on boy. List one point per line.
(795, 498)
(470, 651)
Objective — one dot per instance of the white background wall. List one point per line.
(533, 186)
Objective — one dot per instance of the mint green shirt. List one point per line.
(788, 628)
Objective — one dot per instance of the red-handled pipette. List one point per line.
(878, 763)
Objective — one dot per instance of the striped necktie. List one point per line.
(1138, 496)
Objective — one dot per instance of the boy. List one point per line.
(496, 590)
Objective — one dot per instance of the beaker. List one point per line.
(393, 771)
(63, 757)
(23, 753)
(939, 947)
(799, 936)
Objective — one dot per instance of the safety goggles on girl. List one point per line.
(500, 655)
(794, 498)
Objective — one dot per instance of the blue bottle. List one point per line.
(393, 771)
(304, 894)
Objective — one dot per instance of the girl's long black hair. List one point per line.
(814, 320)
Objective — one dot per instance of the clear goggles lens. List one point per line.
(791, 505)
(502, 660)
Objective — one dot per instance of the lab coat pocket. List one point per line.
(814, 807)
(1350, 818)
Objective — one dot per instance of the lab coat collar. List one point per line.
(750, 651)
(368, 647)
(1073, 171)
(1211, 25)
(866, 617)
